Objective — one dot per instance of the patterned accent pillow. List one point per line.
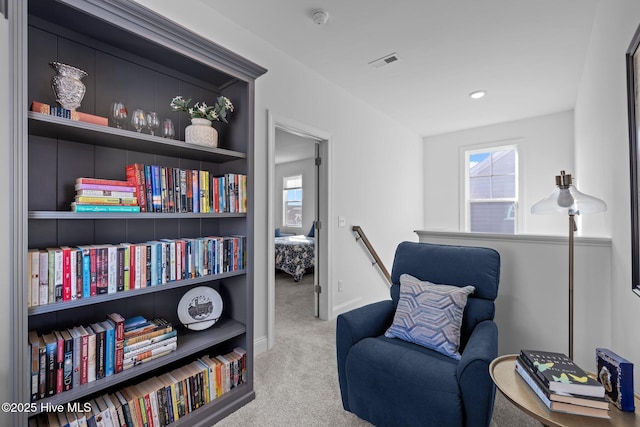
(430, 315)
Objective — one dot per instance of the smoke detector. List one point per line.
(320, 17)
(385, 60)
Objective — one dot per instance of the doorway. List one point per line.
(297, 150)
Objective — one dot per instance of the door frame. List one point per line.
(325, 232)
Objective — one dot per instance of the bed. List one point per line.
(294, 254)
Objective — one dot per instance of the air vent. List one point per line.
(385, 60)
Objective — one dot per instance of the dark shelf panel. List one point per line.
(98, 299)
(89, 133)
(188, 344)
(119, 215)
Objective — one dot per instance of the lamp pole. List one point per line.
(572, 228)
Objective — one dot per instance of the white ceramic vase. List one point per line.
(201, 132)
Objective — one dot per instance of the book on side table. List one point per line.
(560, 374)
(563, 402)
(542, 371)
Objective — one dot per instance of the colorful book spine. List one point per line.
(103, 181)
(127, 190)
(104, 208)
(104, 200)
(109, 347)
(136, 176)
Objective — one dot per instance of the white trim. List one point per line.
(326, 232)
(526, 238)
(260, 345)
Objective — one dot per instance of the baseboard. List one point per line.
(260, 345)
(346, 306)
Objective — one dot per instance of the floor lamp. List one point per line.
(566, 199)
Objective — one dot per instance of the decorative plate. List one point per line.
(200, 308)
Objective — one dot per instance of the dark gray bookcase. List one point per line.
(134, 55)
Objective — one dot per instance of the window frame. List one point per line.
(466, 201)
(285, 201)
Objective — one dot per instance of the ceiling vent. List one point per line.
(385, 60)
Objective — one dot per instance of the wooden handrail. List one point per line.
(377, 261)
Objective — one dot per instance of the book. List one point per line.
(127, 191)
(126, 411)
(77, 355)
(106, 200)
(67, 361)
(561, 374)
(42, 374)
(34, 346)
(616, 375)
(118, 322)
(51, 344)
(55, 274)
(100, 349)
(109, 347)
(59, 361)
(43, 295)
(136, 177)
(105, 193)
(34, 278)
(538, 388)
(91, 355)
(102, 181)
(104, 208)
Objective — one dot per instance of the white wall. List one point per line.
(376, 163)
(545, 146)
(532, 303)
(603, 160)
(307, 169)
(5, 222)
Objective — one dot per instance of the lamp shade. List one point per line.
(566, 199)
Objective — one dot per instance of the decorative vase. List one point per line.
(201, 132)
(66, 85)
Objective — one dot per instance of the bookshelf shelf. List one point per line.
(72, 130)
(143, 59)
(188, 343)
(69, 305)
(135, 216)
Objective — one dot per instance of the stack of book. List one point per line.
(159, 400)
(146, 340)
(66, 359)
(561, 384)
(104, 195)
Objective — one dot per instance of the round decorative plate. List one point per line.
(200, 308)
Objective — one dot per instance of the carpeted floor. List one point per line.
(296, 382)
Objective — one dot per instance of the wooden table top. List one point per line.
(518, 392)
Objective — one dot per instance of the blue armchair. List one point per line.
(391, 382)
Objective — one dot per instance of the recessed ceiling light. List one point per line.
(477, 94)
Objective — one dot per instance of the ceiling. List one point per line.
(527, 54)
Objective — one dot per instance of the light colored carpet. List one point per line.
(296, 382)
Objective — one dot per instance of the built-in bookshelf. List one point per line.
(136, 56)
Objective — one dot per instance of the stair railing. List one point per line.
(376, 259)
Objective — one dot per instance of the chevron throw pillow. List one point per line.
(430, 315)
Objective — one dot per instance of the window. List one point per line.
(292, 201)
(492, 190)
